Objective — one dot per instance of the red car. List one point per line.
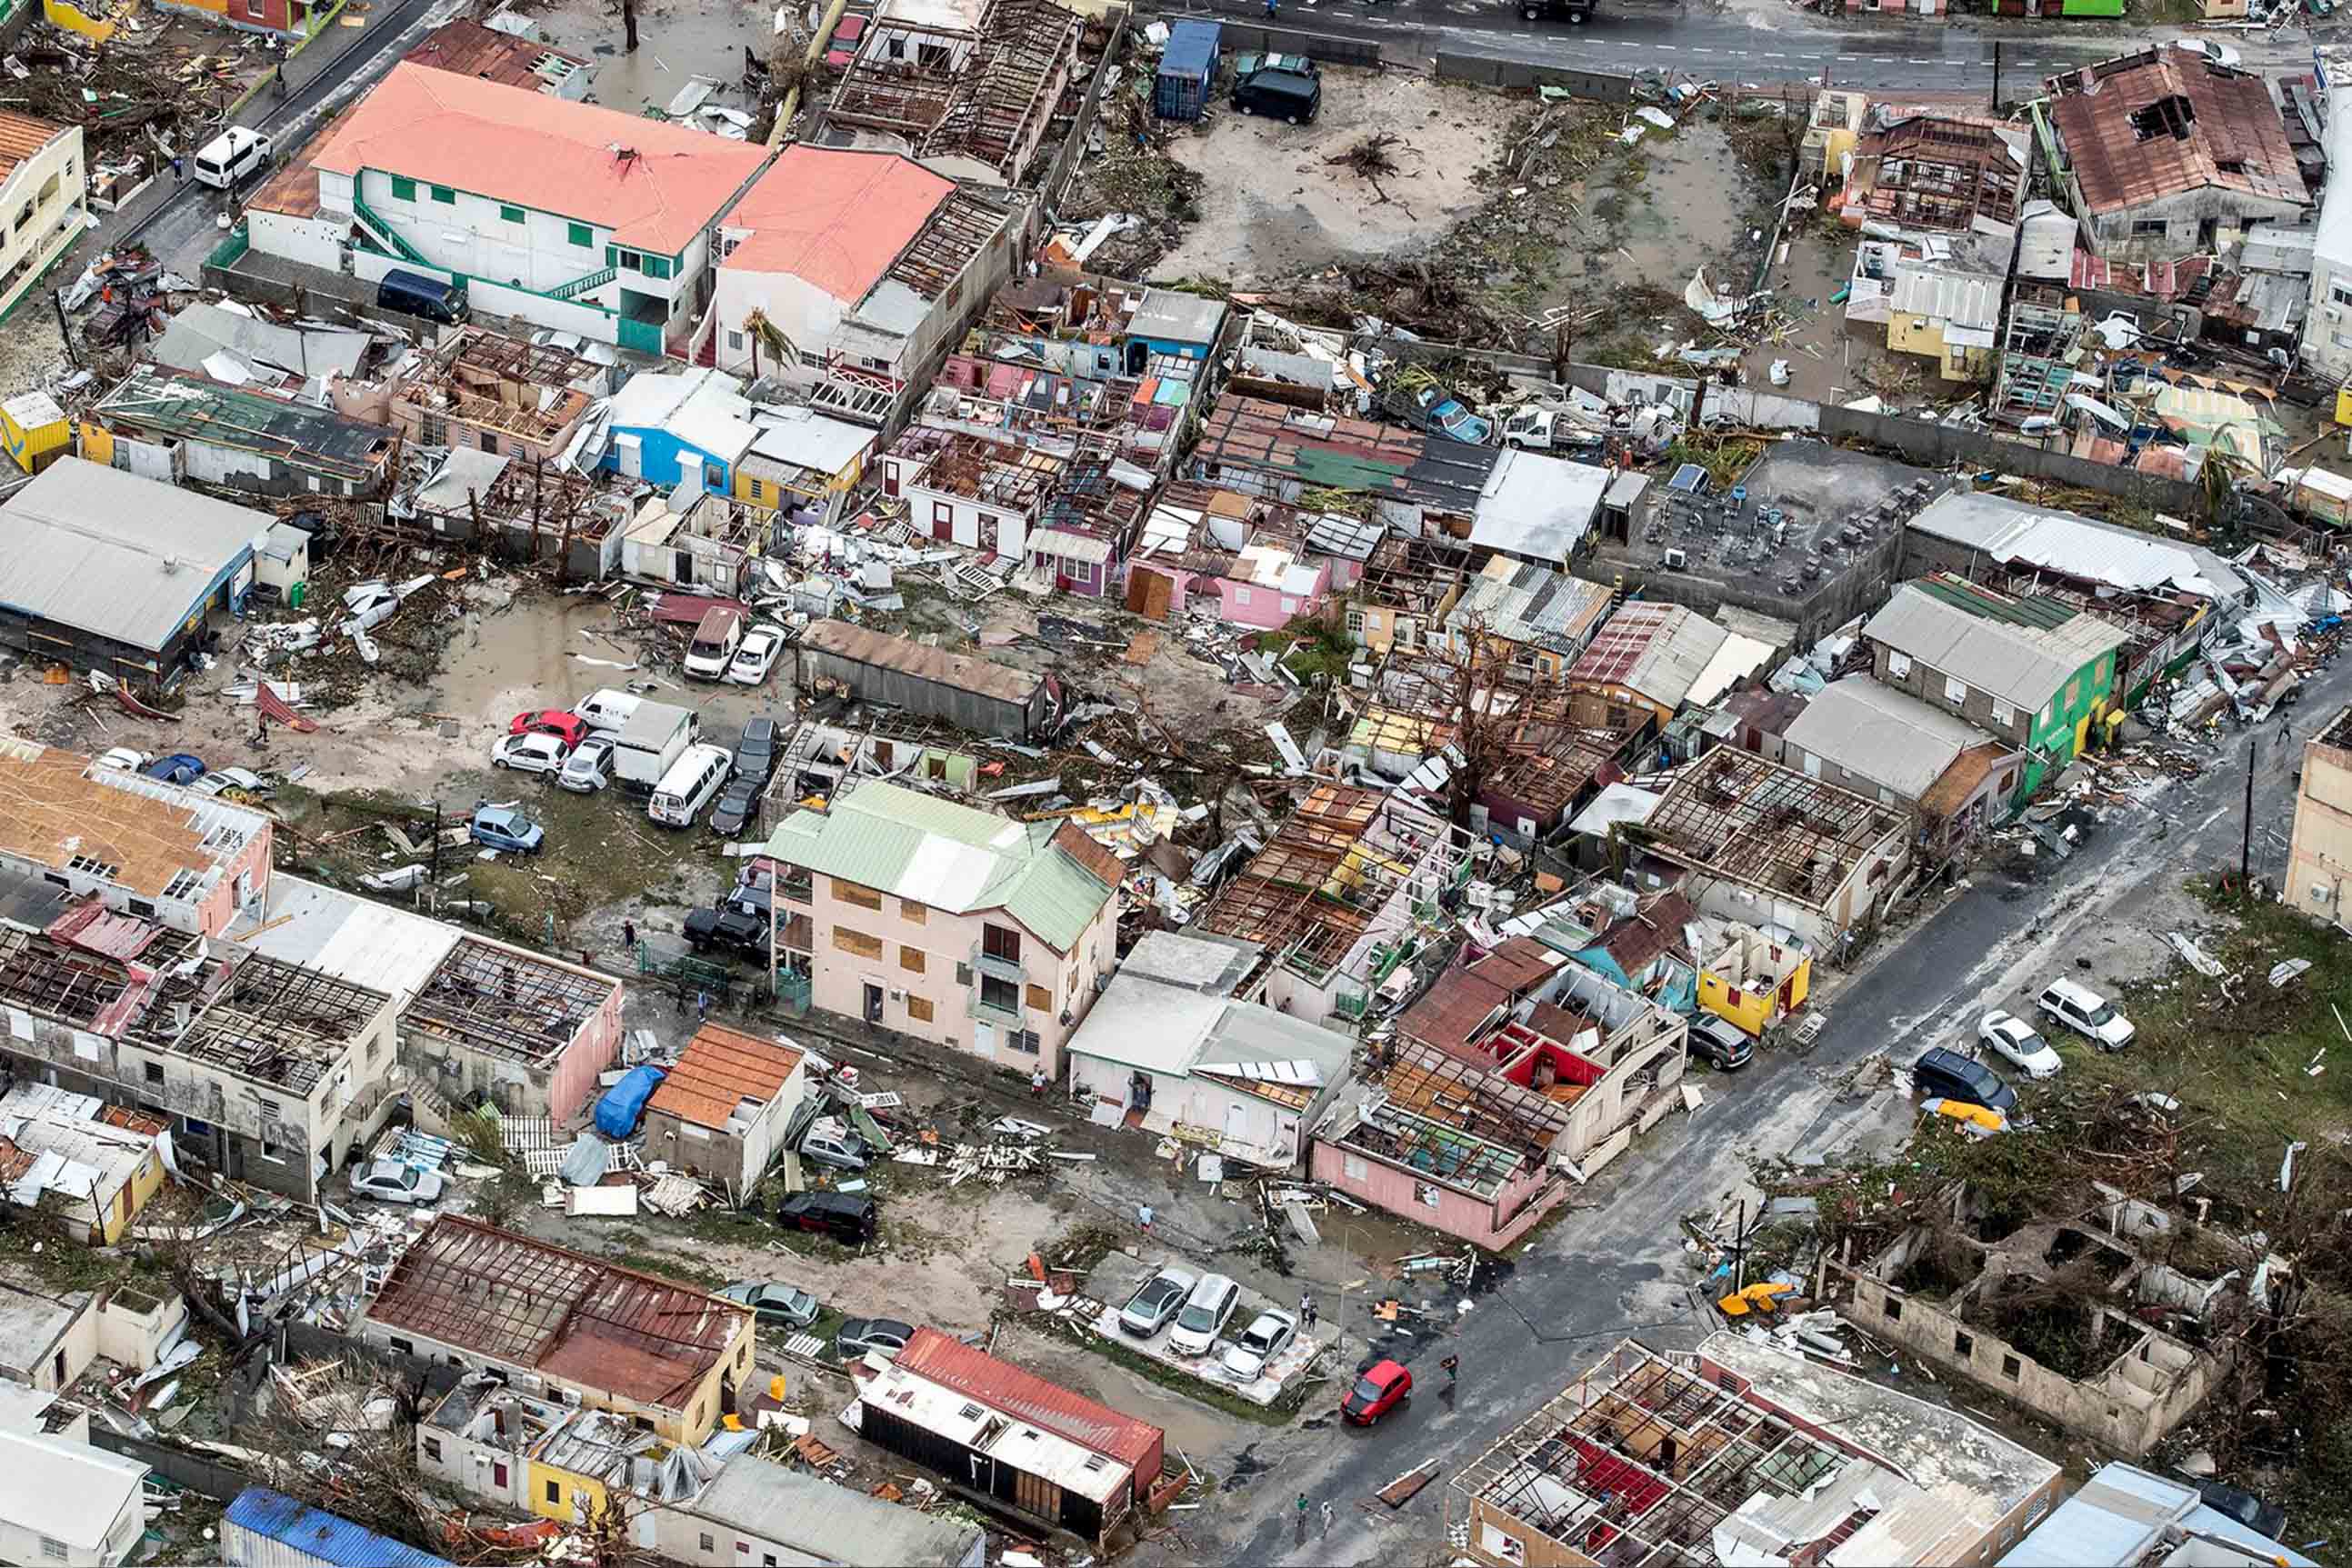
(1377, 1392)
(562, 723)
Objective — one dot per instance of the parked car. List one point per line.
(752, 890)
(1447, 416)
(725, 928)
(221, 780)
(590, 766)
(2267, 1520)
(530, 752)
(843, 1150)
(179, 767)
(755, 750)
(1952, 1076)
(1268, 1335)
(757, 656)
(849, 1217)
(1289, 88)
(395, 1183)
(1382, 1386)
(504, 828)
(1720, 1043)
(774, 1302)
(2087, 1013)
(1204, 1314)
(125, 759)
(1155, 1302)
(737, 808)
(857, 1335)
(2017, 1043)
(562, 723)
(2217, 54)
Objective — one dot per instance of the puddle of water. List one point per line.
(500, 664)
(675, 44)
(1682, 215)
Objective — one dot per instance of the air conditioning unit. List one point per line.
(1677, 559)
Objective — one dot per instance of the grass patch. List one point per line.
(670, 1266)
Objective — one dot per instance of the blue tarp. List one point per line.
(618, 1111)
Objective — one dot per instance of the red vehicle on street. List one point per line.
(562, 723)
(1378, 1391)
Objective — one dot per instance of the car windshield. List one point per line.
(1367, 1391)
(1258, 1338)
(2102, 1015)
(1195, 1317)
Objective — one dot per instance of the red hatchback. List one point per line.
(1377, 1392)
(562, 723)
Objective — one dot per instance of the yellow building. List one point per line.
(1748, 974)
(2319, 855)
(108, 1164)
(1948, 316)
(801, 459)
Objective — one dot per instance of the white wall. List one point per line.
(314, 242)
(1012, 528)
(471, 236)
(802, 312)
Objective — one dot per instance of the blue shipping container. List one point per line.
(1188, 70)
(624, 1103)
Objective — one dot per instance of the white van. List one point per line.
(230, 157)
(688, 785)
(607, 709)
(1213, 1301)
(715, 642)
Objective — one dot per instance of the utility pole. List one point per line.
(1996, 76)
(436, 901)
(2246, 843)
(629, 24)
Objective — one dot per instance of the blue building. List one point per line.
(673, 425)
(1183, 326)
(264, 1528)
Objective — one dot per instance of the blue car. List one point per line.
(1450, 417)
(504, 828)
(180, 767)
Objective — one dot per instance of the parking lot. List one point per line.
(1118, 1279)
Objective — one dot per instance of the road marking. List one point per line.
(1667, 48)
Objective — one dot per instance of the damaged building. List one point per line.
(163, 425)
(1953, 173)
(930, 682)
(970, 490)
(520, 1031)
(969, 88)
(496, 394)
(527, 511)
(1764, 843)
(565, 1327)
(2067, 1319)
(1741, 1453)
(554, 1458)
(1335, 897)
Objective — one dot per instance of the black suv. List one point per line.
(847, 1216)
(755, 750)
(1283, 87)
(729, 928)
(1955, 1077)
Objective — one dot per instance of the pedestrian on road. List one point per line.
(282, 84)
(702, 1007)
(1302, 1496)
(179, 169)
(1327, 1517)
(1037, 1081)
(1452, 1367)
(1143, 1216)
(1306, 1312)
(1273, 9)
(629, 935)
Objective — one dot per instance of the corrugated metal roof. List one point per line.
(921, 661)
(1524, 603)
(719, 1069)
(323, 1536)
(2023, 666)
(1536, 506)
(1886, 737)
(827, 1522)
(2162, 122)
(1657, 649)
(1962, 300)
(951, 1363)
(2016, 534)
(111, 554)
(948, 856)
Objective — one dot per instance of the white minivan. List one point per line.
(230, 157)
(688, 785)
(607, 709)
(2087, 1013)
(1213, 1301)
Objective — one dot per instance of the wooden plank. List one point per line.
(1402, 1489)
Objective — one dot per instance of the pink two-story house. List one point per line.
(947, 924)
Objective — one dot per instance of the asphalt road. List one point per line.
(1761, 46)
(1596, 1277)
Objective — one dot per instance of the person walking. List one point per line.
(1037, 1081)
(1327, 1517)
(1302, 1496)
(629, 935)
(1273, 9)
(1452, 1367)
(702, 1007)
(1143, 1216)
(1306, 1312)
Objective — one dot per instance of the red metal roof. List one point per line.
(951, 1363)
(2160, 123)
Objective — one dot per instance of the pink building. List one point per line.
(1264, 563)
(138, 845)
(947, 924)
(530, 1031)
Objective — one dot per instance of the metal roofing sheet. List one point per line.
(1886, 737)
(2023, 666)
(1538, 505)
(827, 1522)
(66, 1492)
(117, 556)
(1656, 650)
(2016, 534)
(1169, 315)
(921, 661)
(2163, 122)
(322, 1536)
